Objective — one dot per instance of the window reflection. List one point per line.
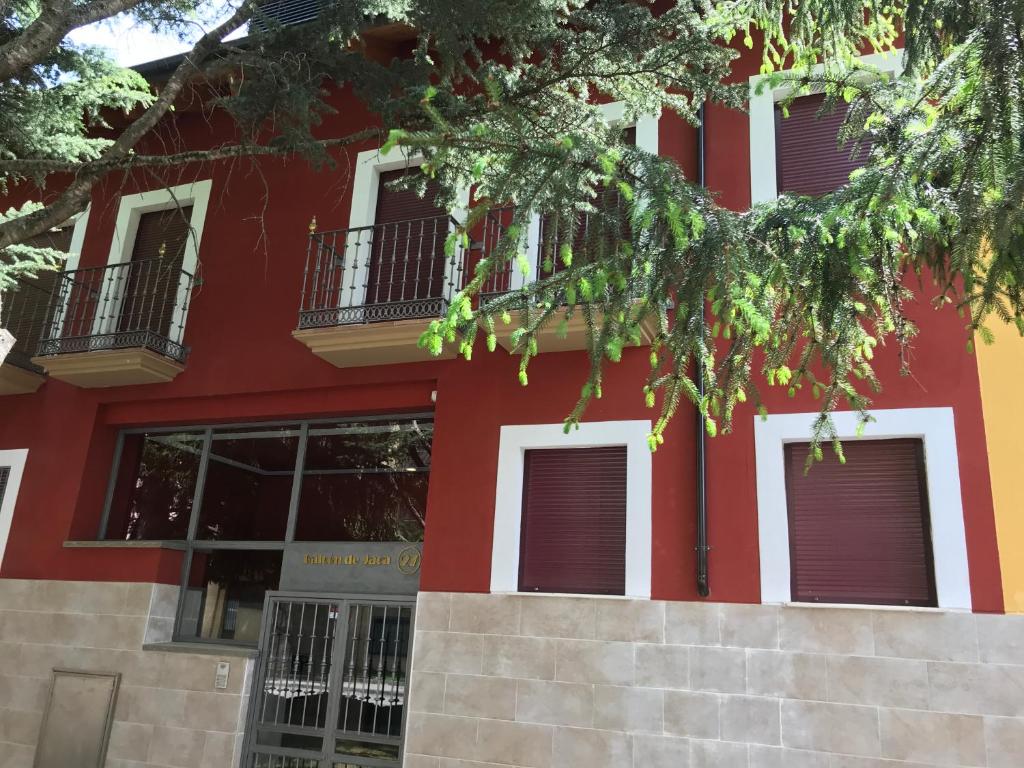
(156, 482)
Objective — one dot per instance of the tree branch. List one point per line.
(41, 36)
(76, 195)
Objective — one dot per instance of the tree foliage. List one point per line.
(502, 96)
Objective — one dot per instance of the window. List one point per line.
(572, 512)
(236, 495)
(809, 159)
(574, 521)
(859, 532)
(799, 153)
(12, 465)
(885, 528)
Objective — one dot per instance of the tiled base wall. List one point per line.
(548, 682)
(168, 711)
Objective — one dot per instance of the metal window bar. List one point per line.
(27, 314)
(134, 304)
(385, 272)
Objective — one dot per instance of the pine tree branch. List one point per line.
(76, 195)
(43, 34)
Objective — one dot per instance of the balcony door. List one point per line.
(408, 269)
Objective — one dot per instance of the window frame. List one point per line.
(933, 426)
(14, 461)
(516, 439)
(189, 545)
(762, 100)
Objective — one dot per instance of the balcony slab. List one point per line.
(110, 368)
(354, 346)
(575, 337)
(18, 381)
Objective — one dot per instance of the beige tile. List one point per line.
(475, 696)
(663, 666)
(219, 750)
(525, 657)
(426, 692)
(929, 737)
(750, 626)
(826, 630)
(633, 710)
(1004, 742)
(750, 719)
(16, 594)
(520, 744)
(718, 754)
(977, 689)
(578, 747)
(718, 669)
(137, 598)
(691, 714)
(660, 752)
(24, 693)
(441, 735)
(154, 706)
(16, 756)
(843, 728)
(421, 761)
(637, 621)
(573, 617)
(179, 747)
(849, 761)
(1000, 638)
(779, 757)
(485, 614)
(926, 635)
(10, 658)
(688, 623)
(791, 675)
(448, 762)
(130, 741)
(158, 630)
(447, 652)
(93, 597)
(594, 661)
(20, 727)
(886, 682)
(433, 611)
(192, 672)
(164, 602)
(212, 711)
(540, 701)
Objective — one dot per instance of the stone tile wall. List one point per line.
(565, 682)
(168, 714)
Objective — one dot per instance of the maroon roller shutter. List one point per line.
(408, 258)
(808, 158)
(859, 532)
(573, 536)
(151, 285)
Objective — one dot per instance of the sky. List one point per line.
(132, 43)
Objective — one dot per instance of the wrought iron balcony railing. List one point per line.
(26, 313)
(385, 272)
(120, 306)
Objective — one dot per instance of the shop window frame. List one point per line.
(192, 542)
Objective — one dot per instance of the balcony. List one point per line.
(25, 315)
(589, 237)
(370, 292)
(117, 325)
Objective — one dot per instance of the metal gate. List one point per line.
(331, 683)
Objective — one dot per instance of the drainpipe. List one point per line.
(703, 586)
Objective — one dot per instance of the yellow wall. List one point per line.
(1001, 366)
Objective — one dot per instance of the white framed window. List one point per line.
(516, 440)
(12, 466)
(934, 427)
(130, 211)
(763, 170)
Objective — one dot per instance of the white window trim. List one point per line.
(363, 213)
(934, 426)
(508, 501)
(126, 226)
(77, 239)
(15, 460)
(763, 180)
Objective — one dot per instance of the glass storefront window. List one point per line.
(248, 484)
(224, 595)
(236, 496)
(365, 482)
(155, 482)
